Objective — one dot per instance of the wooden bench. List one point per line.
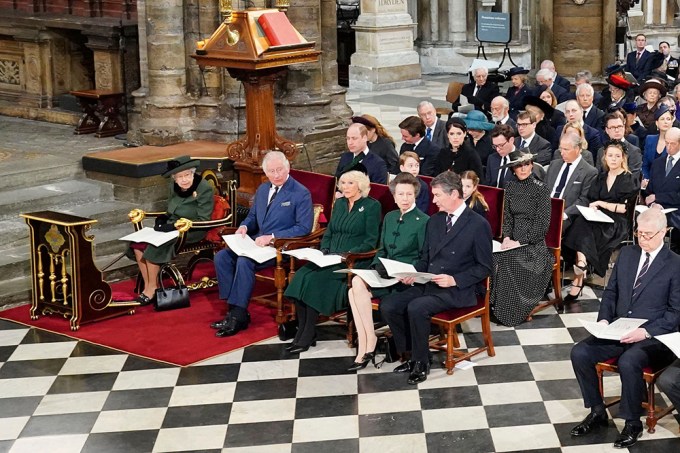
(101, 112)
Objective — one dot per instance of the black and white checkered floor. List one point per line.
(60, 395)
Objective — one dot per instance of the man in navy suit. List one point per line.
(592, 116)
(503, 142)
(479, 93)
(559, 80)
(645, 284)
(639, 61)
(413, 133)
(457, 250)
(359, 156)
(435, 129)
(545, 78)
(574, 113)
(664, 180)
(282, 207)
(540, 147)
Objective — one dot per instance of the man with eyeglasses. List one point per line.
(645, 284)
(615, 129)
(503, 142)
(540, 147)
(282, 208)
(663, 190)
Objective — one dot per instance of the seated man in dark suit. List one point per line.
(435, 129)
(559, 80)
(574, 112)
(500, 112)
(545, 79)
(538, 146)
(497, 172)
(592, 116)
(282, 207)
(457, 249)
(480, 92)
(669, 383)
(663, 188)
(644, 284)
(358, 154)
(582, 77)
(413, 134)
(570, 177)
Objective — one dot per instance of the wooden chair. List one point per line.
(448, 338)
(452, 94)
(553, 239)
(495, 199)
(650, 375)
(222, 219)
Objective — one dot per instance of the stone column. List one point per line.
(385, 58)
(457, 21)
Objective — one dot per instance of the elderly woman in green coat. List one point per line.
(402, 237)
(354, 227)
(191, 197)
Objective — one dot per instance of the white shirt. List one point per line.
(652, 255)
(457, 213)
(527, 141)
(571, 172)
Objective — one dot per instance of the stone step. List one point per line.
(47, 196)
(26, 173)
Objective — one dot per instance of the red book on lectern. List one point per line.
(278, 29)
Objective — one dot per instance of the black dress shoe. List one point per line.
(419, 373)
(298, 349)
(405, 367)
(221, 324)
(589, 424)
(233, 327)
(143, 299)
(628, 436)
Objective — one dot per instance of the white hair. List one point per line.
(585, 87)
(482, 69)
(424, 104)
(545, 73)
(275, 155)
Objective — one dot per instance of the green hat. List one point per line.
(179, 164)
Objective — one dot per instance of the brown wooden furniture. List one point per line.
(553, 239)
(101, 112)
(448, 338)
(495, 198)
(65, 279)
(650, 375)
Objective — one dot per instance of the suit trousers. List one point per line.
(236, 276)
(408, 313)
(632, 359)
(669, 383)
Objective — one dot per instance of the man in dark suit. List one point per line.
(670, 62)
(559, 80)
(359, 157)
(413, 134)
(282, 207)
(638, 62)
(664, 181)
(574, 113)
(497, 172)
(615, 130)
(538, 146)
(500, 112)
(545, 78)
(570, 177)
(457, 250)
(669, 383)
(435, 129)
(582, 77)
(592, 116)
(645, 284)
(480, 92)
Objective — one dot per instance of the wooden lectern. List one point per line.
(66, 280)
(240, 45)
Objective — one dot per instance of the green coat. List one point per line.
(197, 206)
(400, 241)
(348, 231)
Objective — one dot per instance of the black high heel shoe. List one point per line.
(365, 360)
(573, 297)
(292, 345)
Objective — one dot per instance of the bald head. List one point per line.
(573, 111)
(673, 141)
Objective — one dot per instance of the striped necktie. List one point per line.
(449, 222)
(643, 271)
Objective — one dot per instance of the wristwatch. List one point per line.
(647, 335)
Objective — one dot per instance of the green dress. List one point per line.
(400, 241)
(198, 205)
(348, 231)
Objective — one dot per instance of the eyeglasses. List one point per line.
(615, 128)
(497, 147)
(646, 236)
(524, 124)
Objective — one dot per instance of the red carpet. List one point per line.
(180, 337)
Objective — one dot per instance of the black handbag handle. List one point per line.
(172, 271)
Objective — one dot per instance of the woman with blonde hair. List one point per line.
(354, 227)
(380, 142)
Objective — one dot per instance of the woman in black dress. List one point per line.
(460, 156)
(473, 198)
(380, 142)
(594, 242)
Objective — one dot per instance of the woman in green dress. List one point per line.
(402, 237)
(191, 197)
(354, 227)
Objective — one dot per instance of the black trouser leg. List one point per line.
(306, 324)
(301, 314)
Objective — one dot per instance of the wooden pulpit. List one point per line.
(65, 279)
(240, 45)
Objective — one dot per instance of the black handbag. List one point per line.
(171, 297)
(387, 348)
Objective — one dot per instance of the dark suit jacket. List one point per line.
(657, 298)
(539, 146)
(642, 68)
(482, 101)
(666, 188)
(576, 190)
(439, 138)
(493, 164)
(464, 253)
(484, 149)
(560, 93)
(562, 82)
(592, 137)
(516, 99)
(428, 154)
(595, 118)
(290, 214)
(375, 165)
